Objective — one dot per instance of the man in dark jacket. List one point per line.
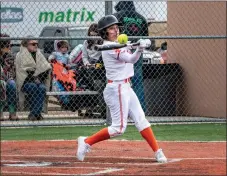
(134, 25)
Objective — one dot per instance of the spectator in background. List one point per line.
(86, 52)
(163, 51)
(134, 25)
(89, 55)
(61, 52)
(32, 77)
(8, 84)
(61, 74)
(2, 92)
(75, 56)
(90, 58)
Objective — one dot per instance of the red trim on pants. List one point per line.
(121, 112)
(120, 102)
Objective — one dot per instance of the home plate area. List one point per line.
(112, 158)
(48, 165)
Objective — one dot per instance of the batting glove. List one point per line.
(144, 43)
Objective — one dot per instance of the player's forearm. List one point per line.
(130, 58)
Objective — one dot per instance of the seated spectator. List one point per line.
(89, 55)
(61, 52)
(86, 55)
(163, 51)
(86, 52)
(75, 56)
(8, 85)
(32, 77)
(92, 58)
(2, 92)
(63, 79)
(11, 91)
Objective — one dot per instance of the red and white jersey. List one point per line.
(119, 62)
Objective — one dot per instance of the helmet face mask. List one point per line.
(106, 22)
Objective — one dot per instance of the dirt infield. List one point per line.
(112, 158)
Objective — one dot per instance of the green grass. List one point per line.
(191, 132)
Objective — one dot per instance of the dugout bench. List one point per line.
(82, 99)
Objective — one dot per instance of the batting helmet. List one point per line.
(106, 22)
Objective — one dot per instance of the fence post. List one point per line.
(108, 11)
(108, 7)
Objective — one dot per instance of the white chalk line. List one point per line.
(146, 158)
(20, 163)
(48, 173)
(104, 171)
(45, 165)
(112, 140)
(112, 157)
(134, 164)
(32, 173)
(36, 164)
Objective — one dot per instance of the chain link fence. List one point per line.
(50, 74)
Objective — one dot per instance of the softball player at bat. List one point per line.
(118, 94)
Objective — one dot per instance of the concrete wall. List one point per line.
(203, 60)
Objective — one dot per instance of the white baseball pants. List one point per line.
(123, 102)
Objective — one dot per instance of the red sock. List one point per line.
(97, 137)
(150, 138)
